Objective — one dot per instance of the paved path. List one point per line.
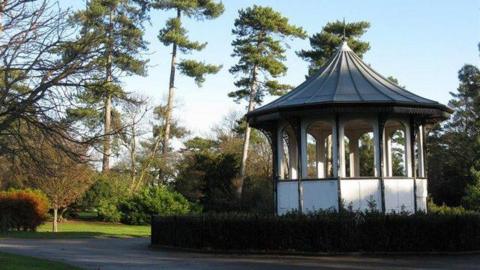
(110, 253)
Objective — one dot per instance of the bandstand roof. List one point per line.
(346, 84)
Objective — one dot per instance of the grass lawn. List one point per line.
(83, 229)
(16, 262)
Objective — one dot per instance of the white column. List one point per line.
(376, 142)
(280, 152)
(354, 156)
(408, 150)
(320, 155)
(421, 161)
(329, 161)
(341, 149)
(335, 150)
(303, 142)
(388, 154)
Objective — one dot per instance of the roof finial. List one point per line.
(344, 26)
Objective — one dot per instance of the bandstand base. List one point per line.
(357, 194)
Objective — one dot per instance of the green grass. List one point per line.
(83, 229)
(17, 262)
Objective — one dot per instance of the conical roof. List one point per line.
(346, 81)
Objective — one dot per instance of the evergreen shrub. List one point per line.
(155, 200)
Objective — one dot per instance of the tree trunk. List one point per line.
(171, 89)
(133, 156)
(3, 3)
(55, 219)
(246, 139)
(108, 103)
(107, 136)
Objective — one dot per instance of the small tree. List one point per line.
(63, 188)
(175, 35)
(63, 180)
(325, 43)
(132, 115)
(260, 34)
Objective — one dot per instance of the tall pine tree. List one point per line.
(114, 28)
(325, 43)
(175, 35)
(260, 34)
(454, 149)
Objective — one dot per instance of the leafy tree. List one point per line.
(114, 29)
(63, 182)
(38, 75)
(175, 35)
(471, 199)
(260, 34)
(208, 168)
(366, 154)
(198, 144)
(325, 44)
(206, 177)
(398, 153)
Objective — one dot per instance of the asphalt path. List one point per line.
(134, 253)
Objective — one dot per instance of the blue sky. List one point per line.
(421, 43)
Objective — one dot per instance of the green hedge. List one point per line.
(325, 232)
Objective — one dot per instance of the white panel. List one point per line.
(422, 195)
(287, 194)
(358, 193)
(399, 195)
(320, 195)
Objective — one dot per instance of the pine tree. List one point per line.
(260, 34)
(454, 149)
(175, 35)
(466, 121)
(114, 29)
(325, 43)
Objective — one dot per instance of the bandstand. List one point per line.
(348, 137)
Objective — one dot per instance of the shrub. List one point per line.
(108, 211)
(105, 195)
(100, 191)
(157, 200)
(321, 232)
(257, 196)
(446, 210)
(22, 209)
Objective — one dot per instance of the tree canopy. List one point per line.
(259, 44)
(115, 30)
(175, 34)
(325, 43)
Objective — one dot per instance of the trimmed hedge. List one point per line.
(22, 210)
(323, 232)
